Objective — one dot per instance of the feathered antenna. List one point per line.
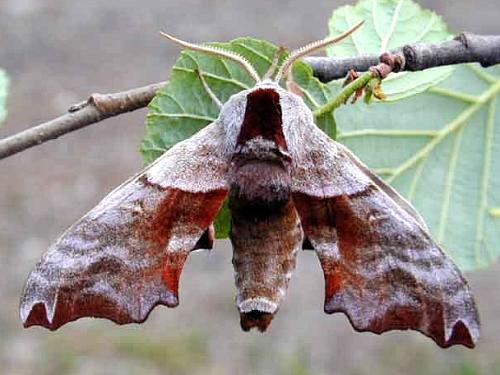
(310, 48)
(274, 63)
(218, 52)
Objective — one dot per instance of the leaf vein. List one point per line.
(427, 28)
(374, 18)
(388, 133)
(450, 176)
(483, 204)
(392, 27)
(353, 35)
(416, 180)
(254, 52)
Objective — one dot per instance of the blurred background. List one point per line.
(57, 53)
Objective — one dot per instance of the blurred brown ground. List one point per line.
(57, 52)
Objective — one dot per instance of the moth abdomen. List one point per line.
(264, 253)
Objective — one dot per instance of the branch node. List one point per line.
(463, 38)
(104, 104)
(395, 61)
(410, 56)
(381, 70)
(78, 106)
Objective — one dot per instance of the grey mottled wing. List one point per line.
(125, 256)
(382, 269)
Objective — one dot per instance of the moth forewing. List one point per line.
(125, 256)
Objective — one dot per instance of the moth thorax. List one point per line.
(261, 187)
(259, 179)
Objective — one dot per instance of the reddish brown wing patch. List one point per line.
(383, 271)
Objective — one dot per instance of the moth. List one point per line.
(290, 187)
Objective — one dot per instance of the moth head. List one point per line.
(285, 67)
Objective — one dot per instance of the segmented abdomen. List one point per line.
(266, 235)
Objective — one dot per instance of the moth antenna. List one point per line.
(217, 52)
(310, 48)
(274, 63)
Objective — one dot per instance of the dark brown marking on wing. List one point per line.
(192, 209)
(263, 118)
(104, 306)
(171, 271)
(206, 241)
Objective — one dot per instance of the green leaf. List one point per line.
(4, 85)
(222, 223)
(183, 106)
(315, 94)
(391, 24)
(440, 149)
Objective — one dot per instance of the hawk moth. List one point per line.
(290, 187)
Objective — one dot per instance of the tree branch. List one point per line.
(97, 108)
(464, 48)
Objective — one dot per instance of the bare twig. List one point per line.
(464, 48)
(97, 108)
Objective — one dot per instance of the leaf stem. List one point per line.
(345, 94)
(384, 171)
